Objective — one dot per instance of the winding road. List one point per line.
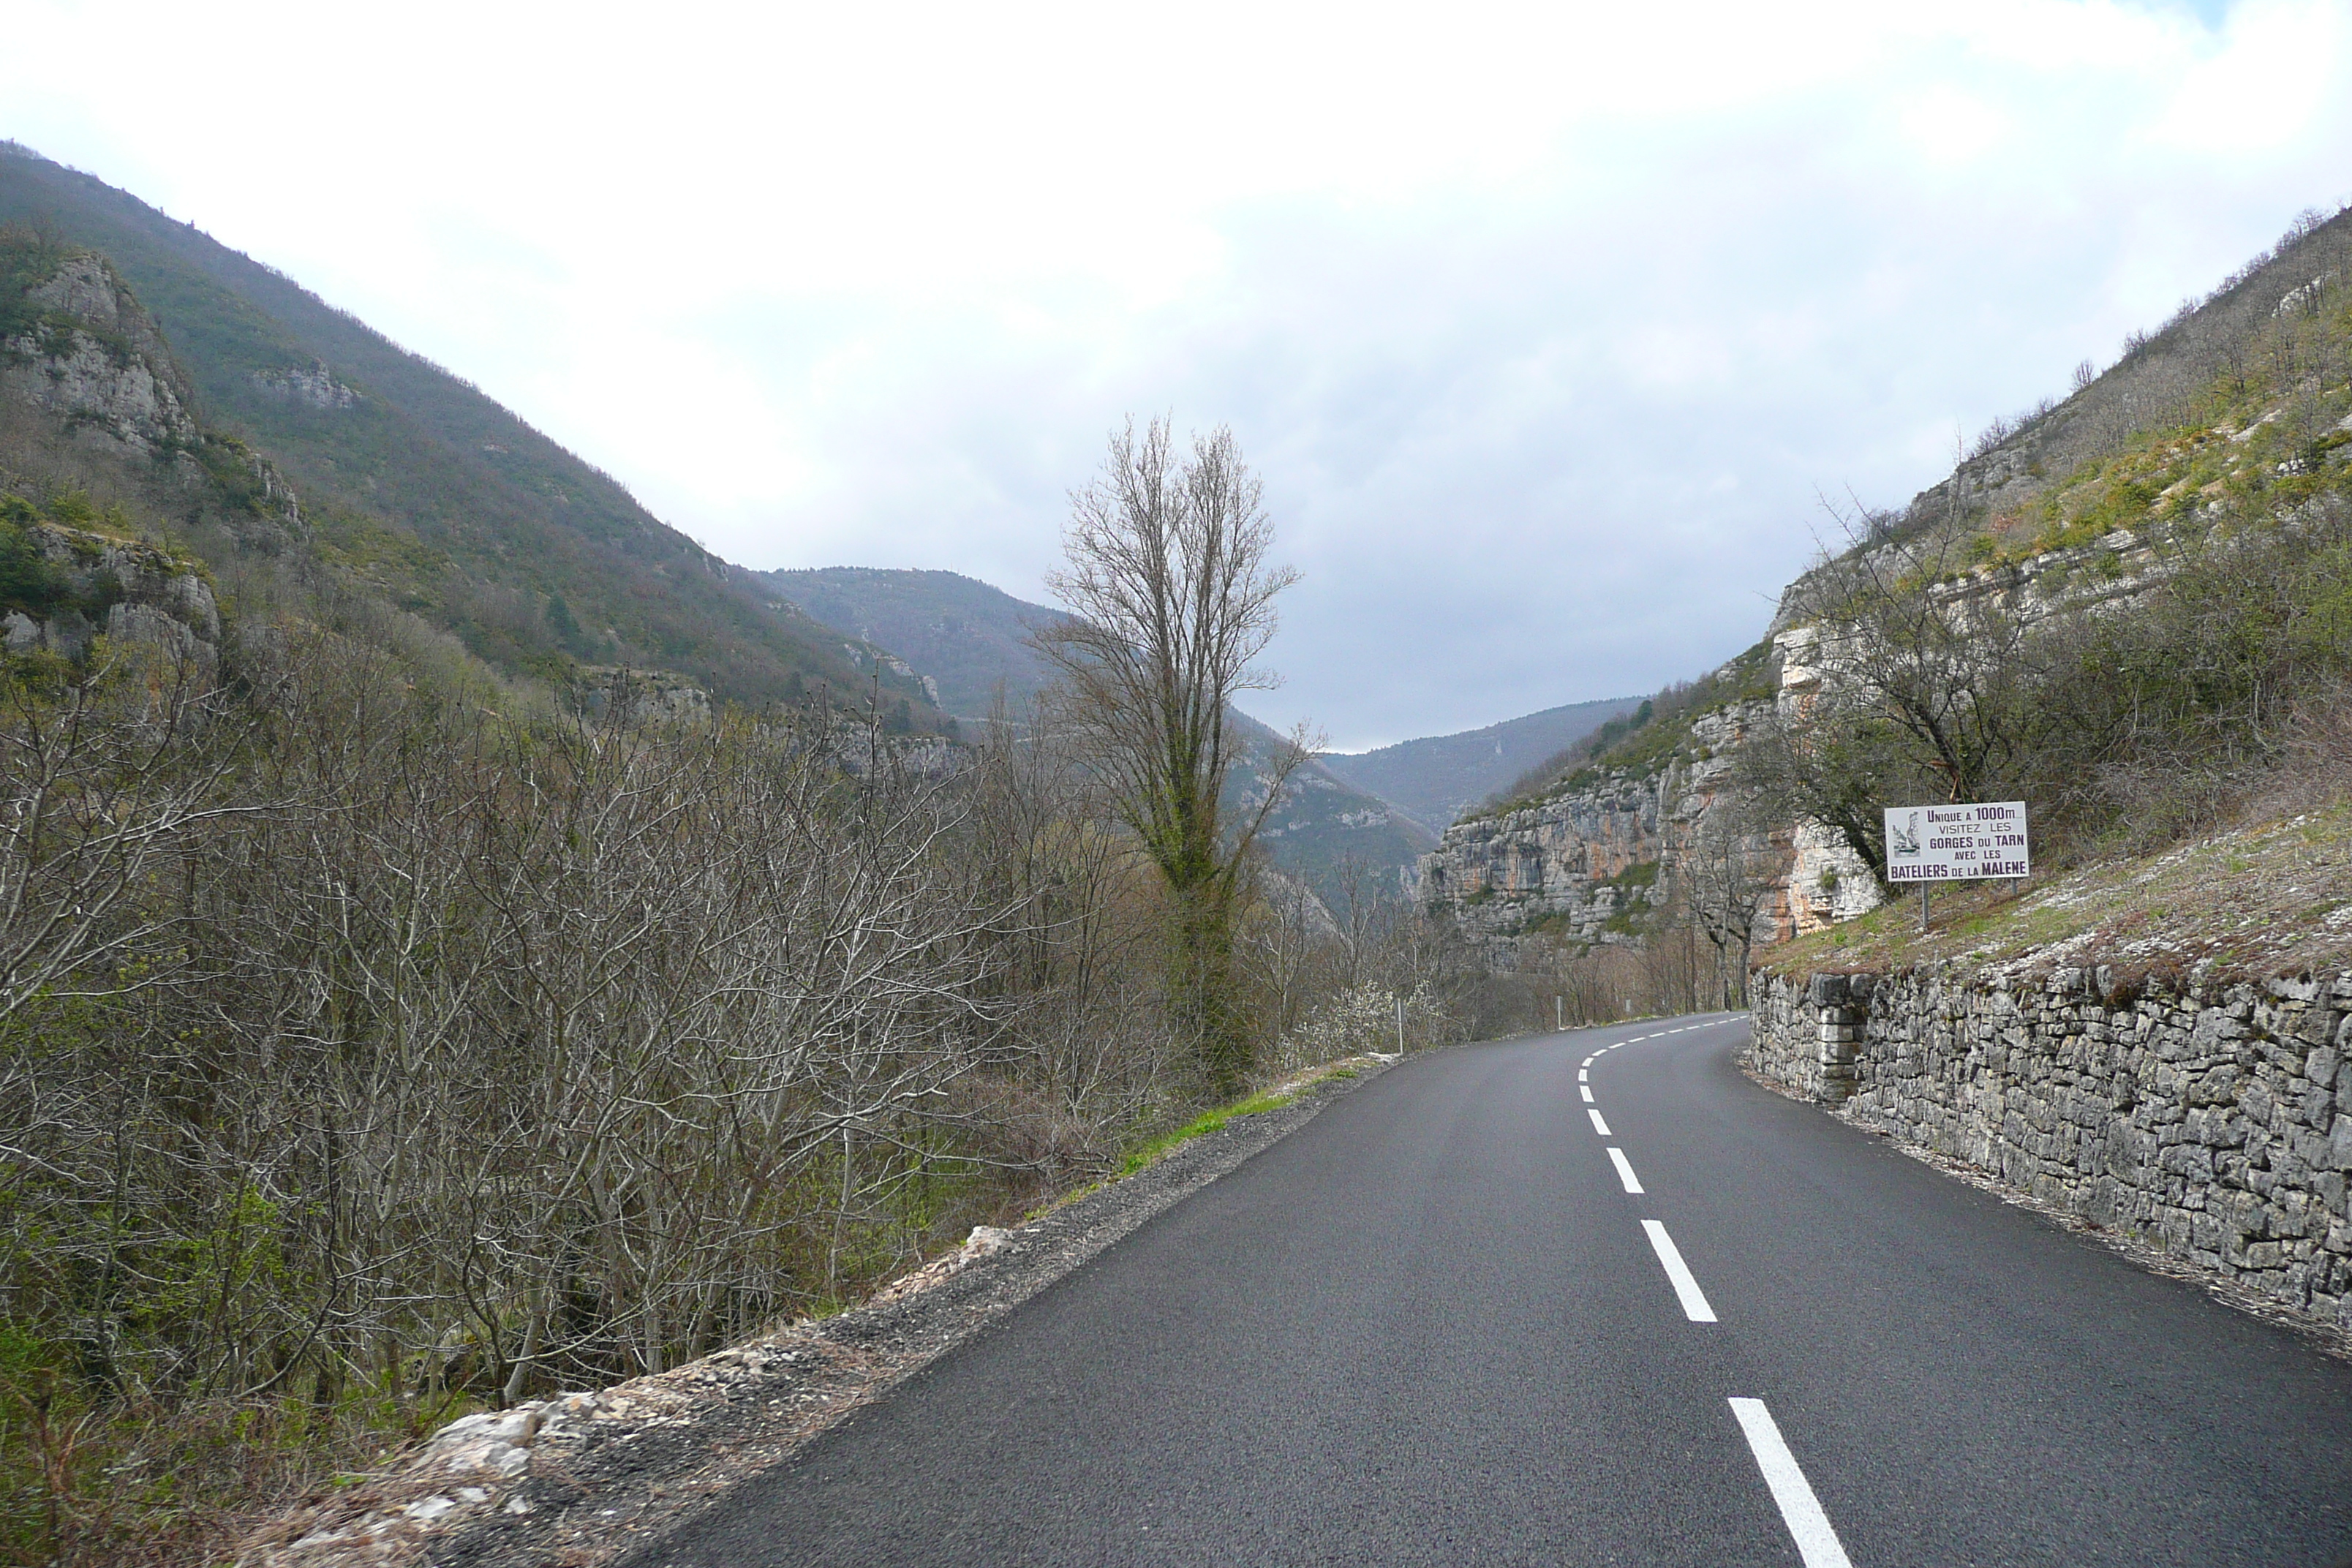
(1584, 1298)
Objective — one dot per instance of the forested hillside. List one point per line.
(971, 638)
(1438, 777)
(423, 490)
(400, 1015)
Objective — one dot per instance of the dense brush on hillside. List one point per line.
(2129, 613)
(2125, 711)
(371, 1048)
(396, 1017)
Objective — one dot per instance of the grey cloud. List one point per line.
(1545, 445)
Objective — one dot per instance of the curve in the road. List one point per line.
(1448, 1321)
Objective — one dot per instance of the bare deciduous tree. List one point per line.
(1727, 872)
(1172, 595)
(1925, 685)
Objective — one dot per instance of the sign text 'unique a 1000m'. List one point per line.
(1950, 843)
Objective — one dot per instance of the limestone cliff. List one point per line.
(94, 398)
(1589, 864)
(1577, 867)
(81, 353)
(85, 351)
(1594, 863)
(130, 592)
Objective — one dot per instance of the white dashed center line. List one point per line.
(1801, 1511)
(1686, 1288)
(1817, 1543)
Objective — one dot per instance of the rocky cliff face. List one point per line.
(1587, 866)
(84, 353)
(316, 387)
(94, 359)
(1576, 867)
(90, 362)
(132, 593)
(1592, 865)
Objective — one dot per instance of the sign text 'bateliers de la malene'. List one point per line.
(1950, 843)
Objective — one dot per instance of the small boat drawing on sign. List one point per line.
(1902, 840)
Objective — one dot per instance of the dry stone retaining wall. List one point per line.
(2213, 1122)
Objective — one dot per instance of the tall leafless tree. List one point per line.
(1173, 597)
(1727, 874)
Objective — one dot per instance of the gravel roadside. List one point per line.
(584, 1479)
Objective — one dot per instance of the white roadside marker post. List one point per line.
(1400, 1002)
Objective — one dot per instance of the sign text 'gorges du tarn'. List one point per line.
(1950, 843)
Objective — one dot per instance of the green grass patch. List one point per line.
(1207, 1122)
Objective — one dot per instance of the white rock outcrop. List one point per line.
(96, 361)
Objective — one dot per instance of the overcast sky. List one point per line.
(1545, 326)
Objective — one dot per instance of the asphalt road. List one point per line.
(1436, 1326)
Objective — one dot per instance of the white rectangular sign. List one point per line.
(1950, 843)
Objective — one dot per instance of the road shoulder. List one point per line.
(2322, 1334)
(584, 1479)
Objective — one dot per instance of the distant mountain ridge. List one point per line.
(1438, 777)
(970, 638)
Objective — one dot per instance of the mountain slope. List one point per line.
(2159, 565)
(1436, 778)
(1328, 832)
(426, 489)
(2253, 363)
(966, 635)
(970, 638)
